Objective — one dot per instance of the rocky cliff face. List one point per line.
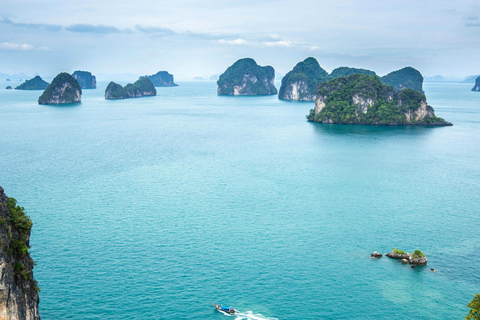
(301, 83)
(18, 289)
(476, 87)
(141, 88)
(85, 79)
(161, 79)
(63, 89)
(406, 78)
(36, 83)
(363, 99)
(246, 78)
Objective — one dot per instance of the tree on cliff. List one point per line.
(474, 305)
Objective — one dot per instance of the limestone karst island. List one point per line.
(18, 288)
(85, 79)
(64, 89)
(246, 78)
(161, 79)
(141, 88)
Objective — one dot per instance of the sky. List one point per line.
(202, 38)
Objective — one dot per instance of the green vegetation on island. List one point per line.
(474, 305)
(161, 79)
(36, 83)
(300, 84)
(363, 99)
(347, 71)
(396, 251)
(246, 77)
(63, 89)
(406, 78)
(142, 87)
(418, 254)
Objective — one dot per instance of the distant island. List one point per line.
(36, 83)
(85, 79)
(246, 78)
(161, 79)
(363, 99)
(141, 88)
(476, 87)
(301, 83)
(8, 88)
(63, 89)
(407, 77)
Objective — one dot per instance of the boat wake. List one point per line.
(249, 315)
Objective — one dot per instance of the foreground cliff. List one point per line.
(36, 83)
(18, 289)
(161, 79)
(476, 87)
(363, 99)
(85, 79)
(141, 88)
(63, 89)
(301, 83)
(246, 78)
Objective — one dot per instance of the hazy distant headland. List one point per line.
(161, 79)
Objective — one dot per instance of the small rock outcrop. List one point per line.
(375, 254)
(415, 258)
(246, 78)
(141, 88)
(301, 83)
(18, 288)
(161, 79)
(85, 79)
(363, 99)
(476, 87)
(36, 83)
(63, 89)
(406, 78)
(8, 88)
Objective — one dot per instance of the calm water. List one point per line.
(152, 208)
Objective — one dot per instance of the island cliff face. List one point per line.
(63, 89)
(18, 289)
(477, 85)
(36, 83)
(301, 83)
(407, 77)
(141, 88)
(246, 78)
(363, 99)
(161, 79)
(85, 79)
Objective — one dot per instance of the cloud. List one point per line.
(238, 41)
(313, 48)
(14, 46)
(95, 29)
(48, 27)
(157, 31)
(280, 43)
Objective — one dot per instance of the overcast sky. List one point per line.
(201, 38)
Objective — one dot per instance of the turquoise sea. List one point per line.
(153, 208)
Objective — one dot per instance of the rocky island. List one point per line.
(141, 88)
(161, 79)
(415, 258)
(63, 89)
(8, 88)
(363, 99)
(301, 83)
(246, 78)
(85, 79)
(476, 87)
(407, 77)
(36, 83)
(18, 288)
